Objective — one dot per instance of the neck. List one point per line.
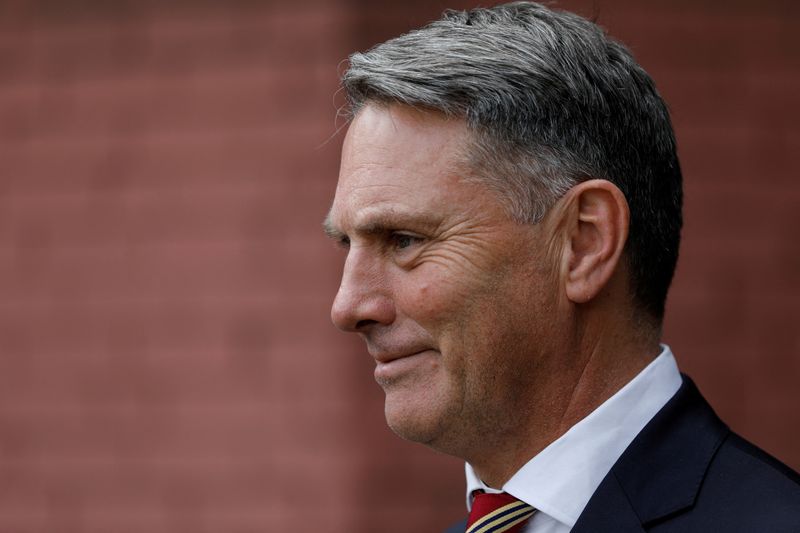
(598, 363)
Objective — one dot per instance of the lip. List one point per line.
(390, 367)
(389, 356)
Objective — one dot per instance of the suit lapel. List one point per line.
(609, 510)
(660, 473)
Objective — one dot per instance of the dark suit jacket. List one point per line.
(687, 472)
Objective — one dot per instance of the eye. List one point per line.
(404, 240)
(343, 241)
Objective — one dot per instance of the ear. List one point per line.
(597, 223)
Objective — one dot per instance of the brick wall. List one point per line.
(166, 357)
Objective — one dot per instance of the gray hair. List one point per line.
(552, 101)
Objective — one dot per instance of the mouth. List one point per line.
(388, 357)
(391, 367)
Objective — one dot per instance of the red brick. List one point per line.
(168, 360)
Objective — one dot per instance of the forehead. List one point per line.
(396, 159)
(401, 136)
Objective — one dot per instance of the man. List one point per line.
(510, 202)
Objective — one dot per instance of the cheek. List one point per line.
(454, 304)
(422, 301)
(435, 300)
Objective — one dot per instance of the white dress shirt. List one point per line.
(560, 480)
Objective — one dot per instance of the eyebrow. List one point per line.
(330, 230)
(383, 222)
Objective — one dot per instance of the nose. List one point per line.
(363, 300)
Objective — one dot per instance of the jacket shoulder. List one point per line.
(687, 472)
(764, 465)
(745, 489)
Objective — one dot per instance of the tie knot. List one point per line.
(496, 513)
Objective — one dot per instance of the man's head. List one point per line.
(482, 200)
(551, 101)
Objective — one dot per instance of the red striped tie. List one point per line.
(496, 513)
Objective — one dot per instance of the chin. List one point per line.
(417, 419)
(408, 422)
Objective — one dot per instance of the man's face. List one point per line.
(453, 298)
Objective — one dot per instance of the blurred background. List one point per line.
(167, 363)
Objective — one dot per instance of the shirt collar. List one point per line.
(560, 480)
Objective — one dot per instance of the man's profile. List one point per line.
(510, 201)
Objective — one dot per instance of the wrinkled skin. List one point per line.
(458, 303)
